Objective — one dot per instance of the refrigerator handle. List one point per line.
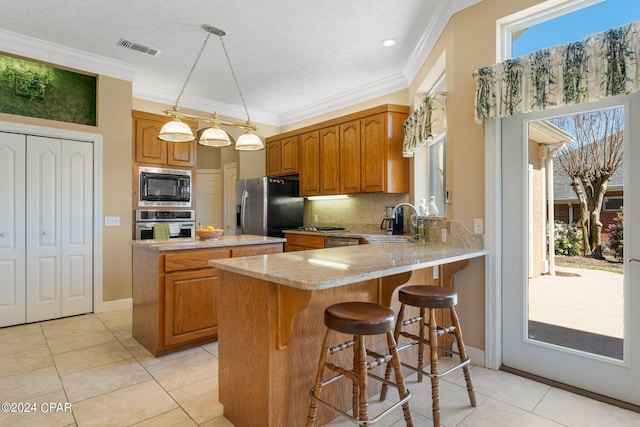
(243, 206)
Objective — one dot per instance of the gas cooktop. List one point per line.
(322, 229)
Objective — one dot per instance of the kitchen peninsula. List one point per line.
(175, 291)
(271, 318)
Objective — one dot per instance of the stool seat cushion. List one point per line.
(428, 296)
(359, 318)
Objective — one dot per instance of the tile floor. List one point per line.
(94, 364)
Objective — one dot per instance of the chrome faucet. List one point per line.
(413, 219)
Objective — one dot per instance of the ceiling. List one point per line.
(293, 58)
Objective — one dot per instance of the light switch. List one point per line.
(478, 226)
(111, 221)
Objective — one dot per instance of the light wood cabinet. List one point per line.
(350, 157)
(329, 161)
(175, 294)
(309, 164)
(282, 157)
(274, 158)
(151, 150)
(357, 153)
(303, 242)
(382, 167)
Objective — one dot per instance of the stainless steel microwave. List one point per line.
(164, 187)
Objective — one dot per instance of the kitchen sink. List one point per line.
(387, 238)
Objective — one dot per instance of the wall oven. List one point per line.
(164, 187)
(181, 223)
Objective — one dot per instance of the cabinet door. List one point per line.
(149, 149)
(43, 231)
(190, 306)
(181, 153)
(329, 160)
(274, 156)
(77, 228)
(290, 155)
(350, 157)
(12, 229)
(372, 154)
(309, 155)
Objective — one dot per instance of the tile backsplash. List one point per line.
(359, 213)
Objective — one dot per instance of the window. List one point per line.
(612, 204)
(565, 22)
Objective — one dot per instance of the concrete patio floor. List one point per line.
(591, 301)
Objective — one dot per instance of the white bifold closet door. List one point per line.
(49, 217)
(59, 228)
(12, 229)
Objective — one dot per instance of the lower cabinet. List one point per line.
(303, 242)
(190, 306)
(177, 307)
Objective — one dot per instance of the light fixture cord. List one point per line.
(193, 67)
(235, 79)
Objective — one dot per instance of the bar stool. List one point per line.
(359, 319)
(431, 298)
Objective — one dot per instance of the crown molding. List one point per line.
(360, 94)
(198, 103)
(29, 47)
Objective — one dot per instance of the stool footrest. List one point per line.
(439, 374)
(355, 420)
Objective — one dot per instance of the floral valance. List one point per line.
(424, 124)
(603, 65)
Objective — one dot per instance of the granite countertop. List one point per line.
(327, 268)
(191, 243)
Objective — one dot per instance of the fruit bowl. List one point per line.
(209, 234)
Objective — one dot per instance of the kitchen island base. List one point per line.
(270, 336)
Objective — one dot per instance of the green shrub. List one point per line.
(616, 236)
(567, 239)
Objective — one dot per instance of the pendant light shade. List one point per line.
(249, 142)
(214, 137)
(176, 131)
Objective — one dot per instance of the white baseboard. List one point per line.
(121, 304)
(476, 355)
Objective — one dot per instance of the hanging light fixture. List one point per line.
(214, 136)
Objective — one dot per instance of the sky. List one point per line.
(577, 25)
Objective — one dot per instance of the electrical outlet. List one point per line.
(112, 221)
(444, 235)
(436, 271)
(478, 226)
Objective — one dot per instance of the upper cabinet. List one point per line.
(282, 156)
(148, 149)
(357, 153)
(309, 163)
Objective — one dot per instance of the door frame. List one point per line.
(96, 140)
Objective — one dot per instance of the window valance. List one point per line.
(603, 65)
(424, 124)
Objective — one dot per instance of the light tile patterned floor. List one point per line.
(93, 363)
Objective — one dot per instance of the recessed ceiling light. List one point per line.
(388, 42)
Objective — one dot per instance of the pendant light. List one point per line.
(214, 136)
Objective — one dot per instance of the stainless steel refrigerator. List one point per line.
(266, 206)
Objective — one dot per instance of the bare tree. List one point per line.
(590, 162)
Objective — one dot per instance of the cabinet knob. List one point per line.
(44, 233)
(1, 233)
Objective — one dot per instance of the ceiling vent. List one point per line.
(138, 47)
